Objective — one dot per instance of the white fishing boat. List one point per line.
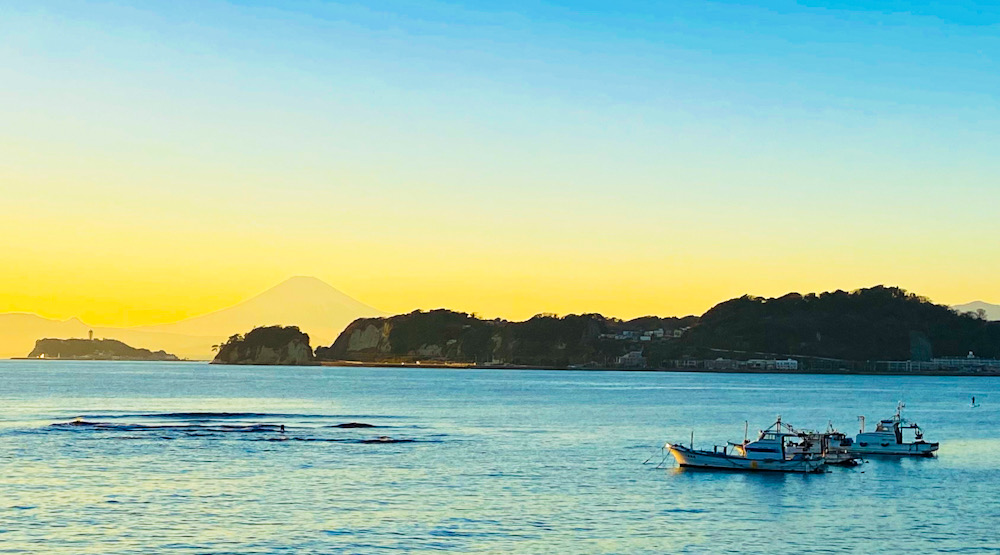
(833, 446)
(767, 453)
(887, 439)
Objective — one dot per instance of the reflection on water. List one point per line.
(185, 458)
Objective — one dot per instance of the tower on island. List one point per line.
(91, 335)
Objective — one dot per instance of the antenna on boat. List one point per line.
(861, 418)
(692, 439)
(746, 430)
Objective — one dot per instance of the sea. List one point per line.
(191, 458)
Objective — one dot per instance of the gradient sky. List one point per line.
(164, 159)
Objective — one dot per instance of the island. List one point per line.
(94, 349)
(545, 341)
(269, 345)
(878, 330)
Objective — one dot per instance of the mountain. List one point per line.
(317, 308)
(313, 305)
(18, 332)
(992, 310)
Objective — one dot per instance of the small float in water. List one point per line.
(887, 439)
(769, 452)
(387, 439)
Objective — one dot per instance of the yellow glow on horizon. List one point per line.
(114, 277)
(82, 246)
(142, 238)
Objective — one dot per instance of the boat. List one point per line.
(887, 439)
(832, 445)
(769, 452)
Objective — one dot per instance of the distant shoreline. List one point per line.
(471, 366)
(55, 359)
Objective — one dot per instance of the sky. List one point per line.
(160, 160)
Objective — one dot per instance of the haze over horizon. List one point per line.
(314, 285)
(171, 159)
(313, 305)
(298, 289)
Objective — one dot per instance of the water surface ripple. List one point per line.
(182, 458)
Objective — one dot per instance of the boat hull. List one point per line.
(897, 450)
(838, 456)
(690, 458)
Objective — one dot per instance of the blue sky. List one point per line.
(843, 143)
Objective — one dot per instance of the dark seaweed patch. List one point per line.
(354, 425)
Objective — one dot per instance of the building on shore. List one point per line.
(772, 364)
(728, 364)
(631, 359)
(722, 364)
(966, 364)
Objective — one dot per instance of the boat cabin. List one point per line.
(771, 443)
(889, 426)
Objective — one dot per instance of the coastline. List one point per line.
(105, 359)
(473, 366)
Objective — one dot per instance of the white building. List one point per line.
(632, 359)
(770, 364)
(787, 364)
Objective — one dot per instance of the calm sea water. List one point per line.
(188, 458)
